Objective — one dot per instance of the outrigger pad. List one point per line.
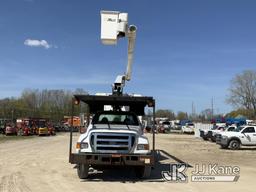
(136, 104)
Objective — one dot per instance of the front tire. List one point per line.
(234, 144)
(82, 171)
(143, 172)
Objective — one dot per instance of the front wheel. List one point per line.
(143, 172)
(234, 144)
(82, 171)
(213, 139)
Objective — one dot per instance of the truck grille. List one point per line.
(201, 133)
(209, 134)
(218, 137)
(112, 142)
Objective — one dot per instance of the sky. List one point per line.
(186, 51)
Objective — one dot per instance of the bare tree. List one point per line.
(53, 104)
(206, 114)
(242, 92)
(165, 113)
(182, 115)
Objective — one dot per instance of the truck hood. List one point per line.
(119, 130)
(230, 133)
(116, 128)
(217, 131)
(113, 131)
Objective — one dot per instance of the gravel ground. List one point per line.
(41, 164)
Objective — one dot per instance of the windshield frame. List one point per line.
(136, 121)
(239, 128)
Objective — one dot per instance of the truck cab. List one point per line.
(114, 132)
(244, 135)
(114, 138)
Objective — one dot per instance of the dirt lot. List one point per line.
(41, 164)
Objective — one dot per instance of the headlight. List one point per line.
(143, 147)
(81, 145)
(224, 137)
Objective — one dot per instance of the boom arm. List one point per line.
(114, 25)
(131, 42)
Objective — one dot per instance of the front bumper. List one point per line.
(43, 132)
(111, 159)
(188, 130)
(10, 132)
(222, 141)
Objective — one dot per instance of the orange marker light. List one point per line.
(78, 145)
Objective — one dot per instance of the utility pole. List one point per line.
(193, 111)
(212, 108)
(12, 115)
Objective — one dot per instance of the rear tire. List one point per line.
(234, 144)
(82, 171)
(143, 172)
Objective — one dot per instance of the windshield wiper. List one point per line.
(127, 125)
(108, 124)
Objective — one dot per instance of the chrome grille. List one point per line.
(218, 137)
(112, 142)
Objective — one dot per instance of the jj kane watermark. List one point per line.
(202, 173)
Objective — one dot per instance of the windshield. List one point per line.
(115, 118)
(41, 124)
(238, 129)
(166, 123)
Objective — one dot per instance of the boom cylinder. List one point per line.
(131, 43)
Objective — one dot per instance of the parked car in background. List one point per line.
(66, 128)
(212, 133)
(205, 134)
(217, 133)
(2, 126)
(244, 135)
(176, 126)
(10, 129)
(188, 128)
(42, 128)
(164, 127)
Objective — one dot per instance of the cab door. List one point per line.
(249, 136)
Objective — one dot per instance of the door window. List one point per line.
(249, 130)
